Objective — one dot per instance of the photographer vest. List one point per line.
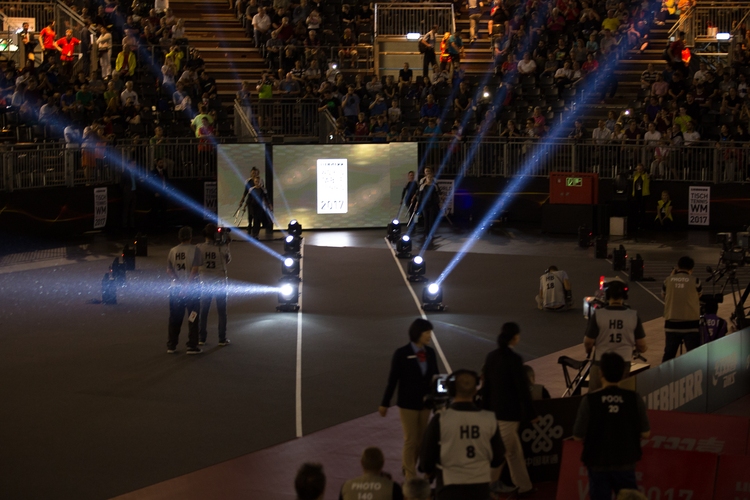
(613, 437)
(616, 332)
(682, 297)
(213, 267)
(182, 259)
(553, 289)
(465, 448)
(369, 486)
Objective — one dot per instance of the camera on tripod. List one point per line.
(731, 254)
(221, 236)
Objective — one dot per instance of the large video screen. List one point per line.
(233, 169)
(330, 186)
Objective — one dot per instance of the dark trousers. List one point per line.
(255, 217)
(210, 292)
(674, 339)
(429, 214)
(429, 60)
(129, 199)
(603, 483)
(464, 492)
(178, 304)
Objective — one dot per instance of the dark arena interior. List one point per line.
(367, 165)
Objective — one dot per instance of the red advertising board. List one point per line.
(660, 474)
(672, 430)
(573, 188)
(733, 478)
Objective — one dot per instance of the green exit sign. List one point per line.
(574, 181)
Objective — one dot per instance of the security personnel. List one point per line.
(554, 290)
(682, 310)
(372, 484)
(184, 293)
(611, 422)
(462, 444)
(213, 275)
(614, 328)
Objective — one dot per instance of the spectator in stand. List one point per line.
(350, 105)
(85, 99)
(579, 132)
(129, 93)
(648, 77)
(700, 75)
(427, 46)
(202, 119)
(66, 46)
(361, 128)
(563, 76)
(682, 119)
(527, 66)
(430, 109)
(462, 103)
(349, 50)
(601, 134)
(677, 87)
(373, 479)
(181, 99)
(394, 114)
(675, 52)
(48, 36)
(289, 87)
(364, 18)
(659, 88)
(590, 66)
(331, 103)
(310, 482)
(405, 77)
(432, 129)
(475, 15)
(455, 48)
(126, 63)
(379, 106)
(261, 25)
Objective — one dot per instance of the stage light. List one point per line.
(413, 36)
(128, 257)
(432, 298)
(141, 245)
(118, 271)
(294, 228)
(723, 36)
(416, 269)
(619, 259)
(290, 267)
(601, 247)
(394, 230)
(403, 247)
(636, 268)
(584, 237)
(292, 245)
(109, 289)
(288, 297)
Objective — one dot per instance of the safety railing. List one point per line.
(42, 12)
(287, 117)
(26, 166)
(684, 24)
(398, 19)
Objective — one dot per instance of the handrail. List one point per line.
(685, 19)
(413, 18)
(246, 124)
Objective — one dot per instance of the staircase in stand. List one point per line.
(213, 29)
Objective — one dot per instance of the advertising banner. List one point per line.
(446, 194)
(699, 205)
(100, 207)
(673, 430)
(209, 200)
(733, 478)
(543, 441)
(660, 474)
(678, 384)
(726, 371)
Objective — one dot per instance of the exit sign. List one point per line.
(574, 181)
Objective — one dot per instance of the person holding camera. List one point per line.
(555, 293)
(613, 328)
(215, 256)
(462, 446)
(611, 424)
(183, 266)
(412, 368)
(682, 310)
(373, 480)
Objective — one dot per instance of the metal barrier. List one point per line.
(398, 19)
(26, 166)
(287, 117)
(726, 17)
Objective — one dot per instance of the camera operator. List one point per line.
(184, 293)
(614, 328)
(555, 293)
(213, 274)
(682, 311)
(462, 445)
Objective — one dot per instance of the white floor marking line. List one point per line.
(639, 284)
(298, 404)
(419, 306)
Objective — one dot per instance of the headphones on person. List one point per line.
(618, 285)
(450, 382)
